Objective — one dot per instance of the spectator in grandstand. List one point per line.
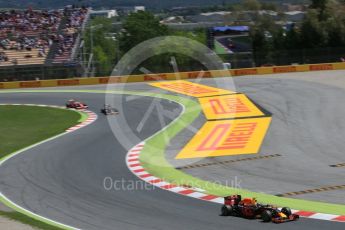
(41, 52)
(3, 57)
(29, 21)
(75, 20)
(28, 30)
(5, 43)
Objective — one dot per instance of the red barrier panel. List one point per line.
(155, 77)
(321, 67)
(30, 84)
(239, 72)
(68, 82)
(103, 80)
(284, 69)
(199, 74)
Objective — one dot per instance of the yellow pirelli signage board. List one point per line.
(190, 88)
(226, 138)
(228, 107)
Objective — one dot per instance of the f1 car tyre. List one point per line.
(266, 216)
(286, 211)
(226, 210)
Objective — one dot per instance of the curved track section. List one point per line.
(63, 180)
(307, 132)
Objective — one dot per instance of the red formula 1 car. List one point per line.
(72, 104)
(249, 208)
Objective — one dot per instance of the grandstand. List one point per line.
(40, 41)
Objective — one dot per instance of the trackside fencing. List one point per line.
(172, 76)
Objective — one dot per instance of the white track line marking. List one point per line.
(197, 193)
(3, 160)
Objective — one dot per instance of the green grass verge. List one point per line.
(153, 159)
(219, 49)
(22, 126)
(83, 116)
(17, 216)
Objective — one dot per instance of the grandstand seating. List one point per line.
(23, 57)
(69, 32)
(30, 37)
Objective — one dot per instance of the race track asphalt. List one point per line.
(238, 46)
(63, 180)
(307, 132)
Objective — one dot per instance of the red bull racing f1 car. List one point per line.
(249, 208)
